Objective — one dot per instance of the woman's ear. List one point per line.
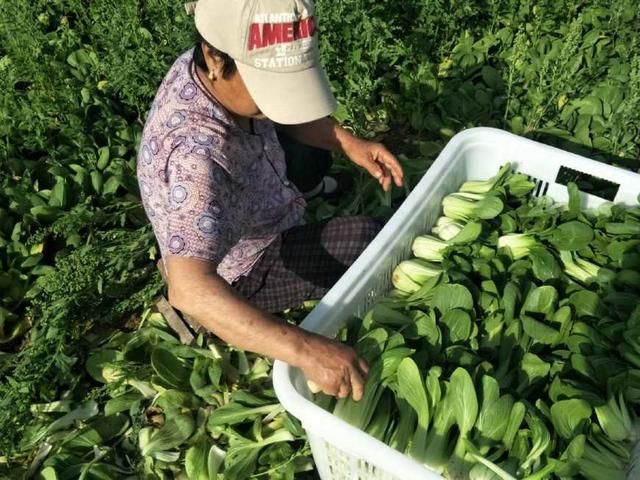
(214, 64)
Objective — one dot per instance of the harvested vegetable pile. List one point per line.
(510, 346)
(166, 410)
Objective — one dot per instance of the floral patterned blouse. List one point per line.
(211, 189)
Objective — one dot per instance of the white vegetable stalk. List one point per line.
(579, 269)
(429, 248)
(467, 206)
(519, 244)
(410, 275)
(484, 186)
(447, 228)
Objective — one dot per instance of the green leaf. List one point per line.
(510, 298)
(490, 207)
(533, 369)
(48, 473)
(618, 250)
(83, 412)
(97, 181)
(111, 185)
(59, 194)
(45, 213)
(434, 391)
(240, 461)
(541, 300)
(541, 440)
(571, 236)
(233, 413)
(575, 201)
(103, 158)
(545, 265)
(464, 400)
(489, 471)
(563, 316)
(508, 224)
(423, 326)
(78, 58)
(175, 401)
(121, 403)
(519, 185)
(100, 431)
(175, 431)
(196, 460)
(615, 420)
(516, 416)
(627, 228)
(405, 427)
(517, 125)
(411, 388)
(458, 326)
(446, 297)
(492, 78)
(586, 303)
(569, 417)
(215, 460)
(539, 331)
(98, 366)
(469, 233)
(381, 419)
(425, 291)
(492, 422)
(391, 361)
(172, 370)
(571, 457)
(371, 345)
(359, 414)
(384, 315)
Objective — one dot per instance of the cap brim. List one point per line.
(290, 98)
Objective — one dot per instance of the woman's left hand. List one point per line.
(376, 159)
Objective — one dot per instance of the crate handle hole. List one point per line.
(588, 183)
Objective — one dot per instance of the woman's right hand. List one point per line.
(334, 368)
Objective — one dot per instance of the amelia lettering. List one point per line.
(268, 34)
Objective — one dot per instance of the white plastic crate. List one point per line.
(340, 451)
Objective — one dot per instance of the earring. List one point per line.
(212, 76)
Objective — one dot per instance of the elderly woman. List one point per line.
(213, 178)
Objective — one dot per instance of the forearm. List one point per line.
(197, 290)
(324, 133)
(220, 309)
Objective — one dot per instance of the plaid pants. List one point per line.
(305, 262)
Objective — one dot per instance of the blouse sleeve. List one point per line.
(200, 219)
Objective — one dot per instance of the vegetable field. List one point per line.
(93, 384)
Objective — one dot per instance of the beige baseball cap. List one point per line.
(275, 46)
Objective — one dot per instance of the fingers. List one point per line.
(380, 172)
(313, 387)
(374, 169)
(391, 163)
(339, 373)
(364, 368)
(344, 390)
(357, 385)
(345, 384)
(386, 180)
(385, 168)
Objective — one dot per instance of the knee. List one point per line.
(368, 228)
(363, 230)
